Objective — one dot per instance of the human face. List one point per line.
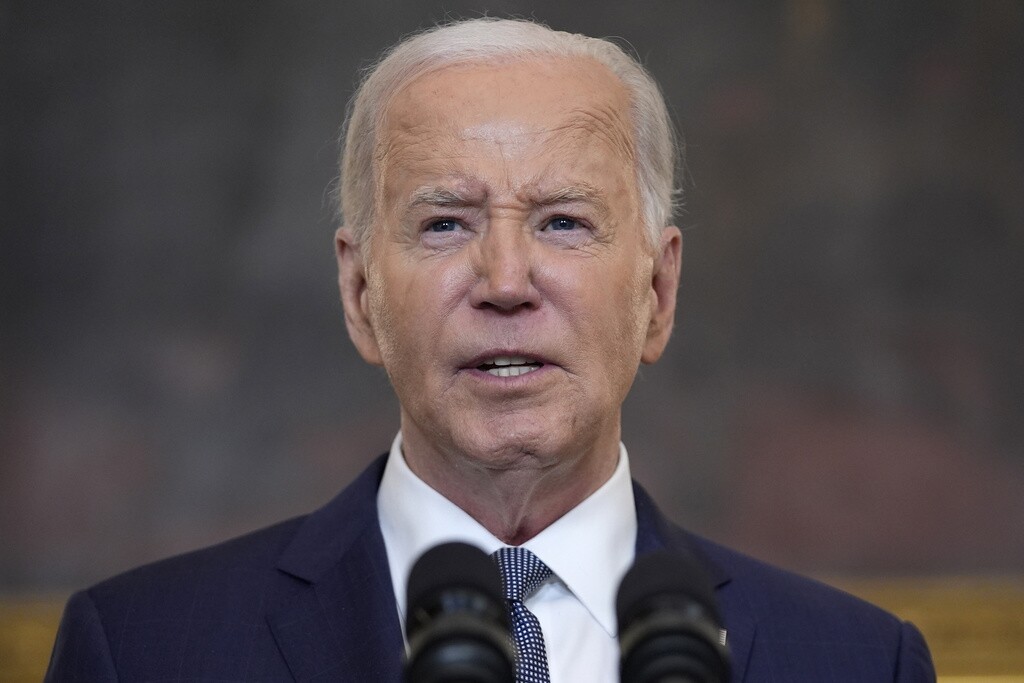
(508, 287)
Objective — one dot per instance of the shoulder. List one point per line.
(137, 624)
(786, 627)
(776, 595)
(255, 551)
(211, 610)
(806, 629)
(237, 569)
(755, 591)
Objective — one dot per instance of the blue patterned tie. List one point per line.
(521, 574)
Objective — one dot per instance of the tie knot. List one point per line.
(521, 572)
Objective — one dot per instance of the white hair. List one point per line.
(490, 40)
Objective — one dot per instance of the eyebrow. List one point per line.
(579, 193)
(438, 196)
(582, 192)
(446, 197)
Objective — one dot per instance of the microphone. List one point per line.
(456, 621)
(669, 627)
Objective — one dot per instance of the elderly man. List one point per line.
(507, 258)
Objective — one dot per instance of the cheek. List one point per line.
(390, 311)
(642, 303)
(628, 313)
(409, 306)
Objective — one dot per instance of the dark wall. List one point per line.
(844, 389)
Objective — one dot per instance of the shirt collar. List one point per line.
(589, 548)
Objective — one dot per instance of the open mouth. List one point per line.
(509, 366)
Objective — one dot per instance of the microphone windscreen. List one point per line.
(456, 619)
(663, 575)
(452, 565)
(669, 626)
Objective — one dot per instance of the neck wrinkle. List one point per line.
(513, 504)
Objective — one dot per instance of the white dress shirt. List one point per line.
(588, 550)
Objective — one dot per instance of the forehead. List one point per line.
(520, 111)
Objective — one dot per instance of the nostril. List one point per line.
(507, 305)
(506, 295)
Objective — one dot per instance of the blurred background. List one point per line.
(844, 391)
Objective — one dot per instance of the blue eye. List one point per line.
(444, 225)
(563, 223)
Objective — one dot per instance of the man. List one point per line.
(507, 258)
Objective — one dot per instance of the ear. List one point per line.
(352, 283)
(664, 284)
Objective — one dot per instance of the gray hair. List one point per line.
(489, 40)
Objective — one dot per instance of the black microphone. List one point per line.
(669, 627)
(456, 621)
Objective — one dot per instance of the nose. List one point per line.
(505, 270)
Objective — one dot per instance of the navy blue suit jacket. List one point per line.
(311, 599)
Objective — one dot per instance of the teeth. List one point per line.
(509, 366)
(509, 360)
(511, 370)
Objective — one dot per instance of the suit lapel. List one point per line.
(655, 532)
(337, 618)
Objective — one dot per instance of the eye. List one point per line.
(444, 225)
(563, 223)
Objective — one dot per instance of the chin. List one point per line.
(524, 443)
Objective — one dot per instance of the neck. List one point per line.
(513, 497)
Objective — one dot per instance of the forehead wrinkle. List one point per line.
(604, 122)
(411, 145)
(427, 152)
(406, 136)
